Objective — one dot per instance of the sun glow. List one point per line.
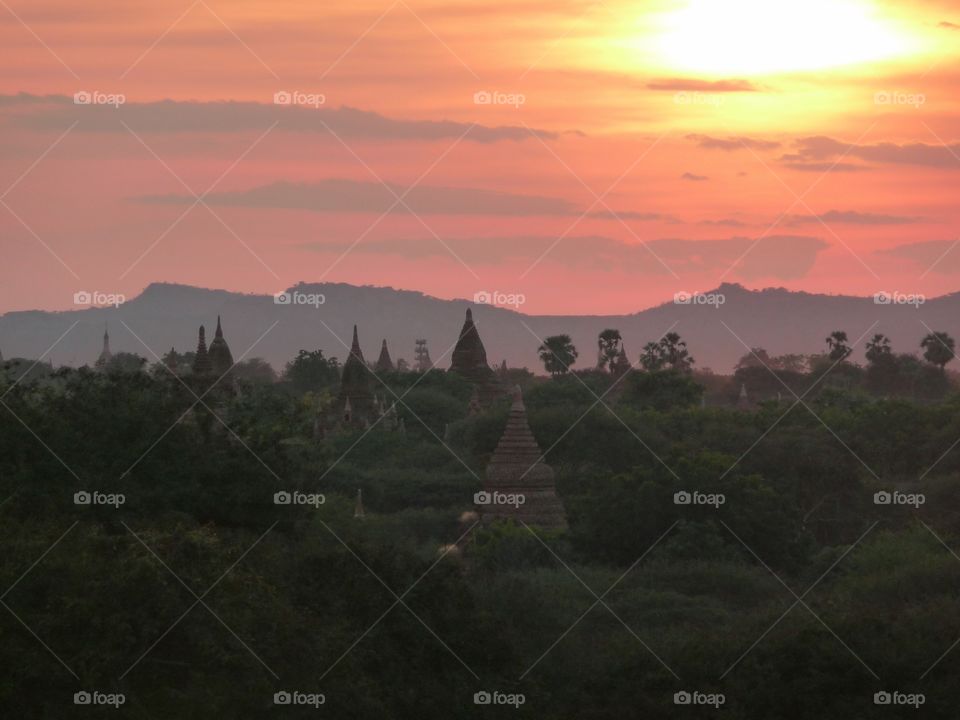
(758, 37)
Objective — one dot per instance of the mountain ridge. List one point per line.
(168, 315)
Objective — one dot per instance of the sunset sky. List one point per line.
(596, 157)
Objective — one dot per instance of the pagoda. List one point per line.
(221, 360)
(384, 363)
(470, 362)
(201, 361)
(517, 470)
(355, 401)
(105, 355)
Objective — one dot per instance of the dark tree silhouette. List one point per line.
(878, 348)
(609, 343)
(837, 346)
(938, 349)
(557, 353)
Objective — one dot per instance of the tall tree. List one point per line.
(674, 352)
(878, 349)
(609, 343)
(652, 357)
(837, 346)
(938, 349)
(557, 353)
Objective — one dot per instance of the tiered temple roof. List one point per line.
(105, 355)
(384, 363)
(201, 361)
(221, 360)
(517, 468)
(470, 361)
(355, 401)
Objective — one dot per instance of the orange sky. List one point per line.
(630, 149)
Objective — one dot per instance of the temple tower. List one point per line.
(384, 363)
(517, 470)
(355, 401)
(470, 361)
(201, 361)
(221, 360)
(105, 355)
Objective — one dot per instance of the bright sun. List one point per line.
(758, 37)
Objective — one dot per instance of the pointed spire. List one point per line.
(105, 355)
(358, 511)
(201, 361)
(221, 359)
(517, 467)
(742, 400)
(384, 362)
(356, 385)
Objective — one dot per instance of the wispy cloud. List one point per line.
(732, 143)
(55, 112)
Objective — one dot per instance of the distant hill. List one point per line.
(168, 315)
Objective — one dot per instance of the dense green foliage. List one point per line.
(297, 597)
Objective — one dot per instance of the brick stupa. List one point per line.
(517, 468)
(470, 361)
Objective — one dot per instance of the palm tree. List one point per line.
(652, 357)
(557, 354)
(674, 352)
(938, 349)
(609, 343)
(878, 349)
(837, 345)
